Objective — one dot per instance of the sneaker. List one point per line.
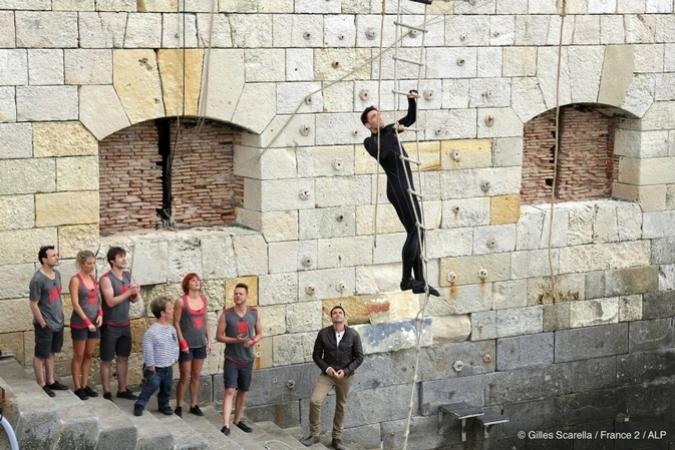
(90, 392)
(107, 396)
(178, 411)
(48, 391)
(56, 386)
(310, 440)
(127, 394)
(337, 444)
(225, 431)
(406, 284)
(167, 411)
(138, 410)
(243, 427)
(418, 288)
(81, 394)
(196, 411)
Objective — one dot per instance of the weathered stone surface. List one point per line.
(251, 251)
(656, 224)
(260, 94)
(454, 328)
(16, 316)
(16, 140)
(137, 82)
(494, 239)
(328, 283)
(14, 67)
(556, 316)
(62, 139)
(569, 287)
(46, 29)
(630, 308)
(150, 262)
(278, 288)
(594, 312)
(292, 255)
(592, 342)
(649, 335)
(466, 154)
(73, 238)
(512, 322)
(293, 348)
(347, 60)
(179, 99)
(41, 103)
(467, 183)
(77, 173)
(656, 305)
(453, 242)
(301, 317)
(466, 212)
(343, 191)
(586, 258)
(273, 319)
(510, 294)
(218, 257)
(525, 351)
(101, 111)
(327, 222)
(274, 225)
(440, 392)
(471, 298)
(534, 263)
(504, 209)
(102, 29)
(466, 269)
(20, 246)
(631, 281)
(7, 104)
(45, 66)
(392, 336)
(483, 325)
(27, 176)
(18, 212)
(423, 430)
(15, 280)
(88, 66)
(8, 38)
(340, 252)
(66, 208)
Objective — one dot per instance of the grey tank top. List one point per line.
(237, 326)
(118, 315)
(88, 299)
(193, 323)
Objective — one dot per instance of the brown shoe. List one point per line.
(310, 440)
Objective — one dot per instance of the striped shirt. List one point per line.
(160, 346)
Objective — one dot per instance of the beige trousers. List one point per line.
(322, 387)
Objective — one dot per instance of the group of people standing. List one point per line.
(180, 334)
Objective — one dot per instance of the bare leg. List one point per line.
(227, 406)
(39, 369)
(76, 363)
(185, 368)
(49, 369)
(122, 367)
(196, 372)
(89, 352)
(241, 400)
(106, 367)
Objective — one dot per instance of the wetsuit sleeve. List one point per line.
(411, 117)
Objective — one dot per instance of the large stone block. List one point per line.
(393, 336)
(7, 104)
(251, 30)
(14, 282)
(179, 31)
(591, 342)
(568, 287)
(73, 238)
(466, 269)
(424, 432)
(62, 139)
(217, 256)
(293, 348)
(251, 251)
(101, 111)
(181, 75)
(150, 262)
(327, 222)
(102, 29)
(278, 288)
(453, 242)
(630, 308)
(651, 335)
(470, 298)
(77, 173)
(454, 328)
(470, 183)
(534, 263)
(27, 176)
(14, 67)
(42, 103)
(66, 208)
(45, 66)
(466, 212)
(291, 256)
(294, 97)
(483, 325)
(466, 154)
(263, 96)
(137, 82)
(525, 351)
(328, 283)
(16, 140)
(504, 209)
(657, 305)
(657, 224)
(303, 317)
(594, 312)
(18, 212)
(8, 38)
(631, 281)
(21, 246)
(340, 252)
(46, 29)
(273, 319)
(512, 322)
(620, 255)
(440, 392)
(343, 191)
(274, 225)
(276, 195)
(325, 161)
(16, 316)
(494, 239)
(510, 294)
(331, 64)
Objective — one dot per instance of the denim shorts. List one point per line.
(193, 353)
(236, 376)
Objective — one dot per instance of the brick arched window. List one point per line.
(587, 166)
(147, 181)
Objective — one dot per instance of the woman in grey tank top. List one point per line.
(192, 326)
(84, 322)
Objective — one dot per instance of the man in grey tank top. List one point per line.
(240, 329)
(47, 309)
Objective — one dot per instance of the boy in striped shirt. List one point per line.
(160, 352)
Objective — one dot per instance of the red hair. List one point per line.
(185, 284)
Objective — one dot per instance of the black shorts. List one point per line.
(236, 376)
(47, 341)
(193, 353)
(83, 334)
(115, 341)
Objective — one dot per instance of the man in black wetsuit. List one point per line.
(399, 179)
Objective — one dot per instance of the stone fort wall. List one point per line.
(74, 72)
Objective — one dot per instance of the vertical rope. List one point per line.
(553, 278)
(379, 109)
